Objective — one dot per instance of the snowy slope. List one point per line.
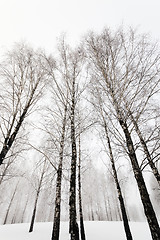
(94, 231)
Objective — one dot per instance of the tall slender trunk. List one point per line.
(146, 151)
(147, 205)
(106, 208)
(57, 211)
(24, 210)
(110, 210)
(92, 211)
(34, 212)
(119, 213)
(16, 215)
(36, 200)
(80, 195)
(10, 204)
(120, 196)
(73, 228)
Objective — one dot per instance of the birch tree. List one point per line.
(73, 64)
(58, 115)
(119, 191)
(23, 83)
(39, 183)
(121, 66)
(10, 204)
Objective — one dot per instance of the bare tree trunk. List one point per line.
(56, 224)
(34, 212)
(146, 151)
(16, 214)
(80, 195)
(10, 204)
(36, 200)
(9, 140)
(119, 213)
(148, 208)
(73, 228)
(120, 197)
(92, 211)
(106, 208)
(110, 210)
(24, 210)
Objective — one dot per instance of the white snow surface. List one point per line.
(94, 231)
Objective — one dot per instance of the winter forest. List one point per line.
(79, 133)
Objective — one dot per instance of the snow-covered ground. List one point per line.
(94, 231)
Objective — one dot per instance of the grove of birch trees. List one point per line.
(79, 128)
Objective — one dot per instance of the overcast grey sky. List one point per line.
(40, 21)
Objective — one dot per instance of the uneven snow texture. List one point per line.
(94, 231)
